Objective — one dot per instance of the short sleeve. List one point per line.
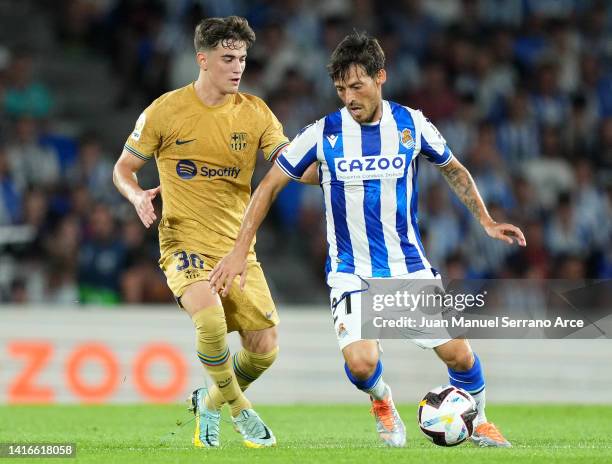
(433, 145)
(300, 153)
(146, 137)
(273, 139)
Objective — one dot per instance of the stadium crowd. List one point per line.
(521, 90)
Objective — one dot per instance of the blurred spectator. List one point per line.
(441, 222)
(582, 124)
(93, 169)
(596, 86)
(79, 24)
(10, 197)
(142, 281)
(276, 50)
(333, 30)
(566, 234)
(402, 69)
(518, 136)
(32, 165)
(591, 206)
(301, 22)
(101, 259)
(604, 152)
(179, 45)
(570, 267)
(596, 31)
(501, 12)
(484, 162)
(35, 209)
(460, 131)
(550, 104)
(62, 249)
(534, 261)
(434, 97)
(550, 174)
(565, 47)
(493, 83)
(526, 208)
(138, 57)
(455, 267)
(23, 95)
(531, 42)
(413, 24)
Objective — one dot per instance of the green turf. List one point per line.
(330, 433)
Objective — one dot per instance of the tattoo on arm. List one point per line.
(464, 187)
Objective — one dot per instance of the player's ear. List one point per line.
(381, 77)
(202, 60)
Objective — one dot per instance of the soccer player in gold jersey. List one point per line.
(205, 138)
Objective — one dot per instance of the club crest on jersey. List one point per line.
(342, 332)
(406, 138)
(238, 141)
(140, 123)
(370, 167)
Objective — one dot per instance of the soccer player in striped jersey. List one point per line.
(368, 154)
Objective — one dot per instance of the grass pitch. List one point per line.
(329, 434)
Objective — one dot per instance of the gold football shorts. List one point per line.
(251, 309)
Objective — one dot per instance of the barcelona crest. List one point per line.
(238, 141)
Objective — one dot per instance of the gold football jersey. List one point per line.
(205, 157)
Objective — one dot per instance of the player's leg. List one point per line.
(363, 368)
(185, 278)
(208, 317)
(465, 371)
(260, 349)
(258, 353)
(252, 313)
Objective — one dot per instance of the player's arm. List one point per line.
(311, 175)
(462, 183)
(235, 263)
(124, 178)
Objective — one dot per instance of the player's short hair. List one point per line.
(357, 48)
(228, 31)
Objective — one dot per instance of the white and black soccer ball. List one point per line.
(446, 415)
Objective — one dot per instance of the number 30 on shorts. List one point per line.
(186, 260)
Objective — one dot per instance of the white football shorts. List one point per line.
(345, 302)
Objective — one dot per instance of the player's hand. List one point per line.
(144, 206)
(505, 232)
(223, 274)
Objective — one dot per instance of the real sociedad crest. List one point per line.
(406, 138)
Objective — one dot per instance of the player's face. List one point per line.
(362, 94)
(224, 65)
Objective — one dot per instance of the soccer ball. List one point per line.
(446, 415)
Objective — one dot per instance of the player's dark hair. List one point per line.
(357, 48)
(228, 31)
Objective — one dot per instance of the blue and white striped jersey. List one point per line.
(369, 178)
